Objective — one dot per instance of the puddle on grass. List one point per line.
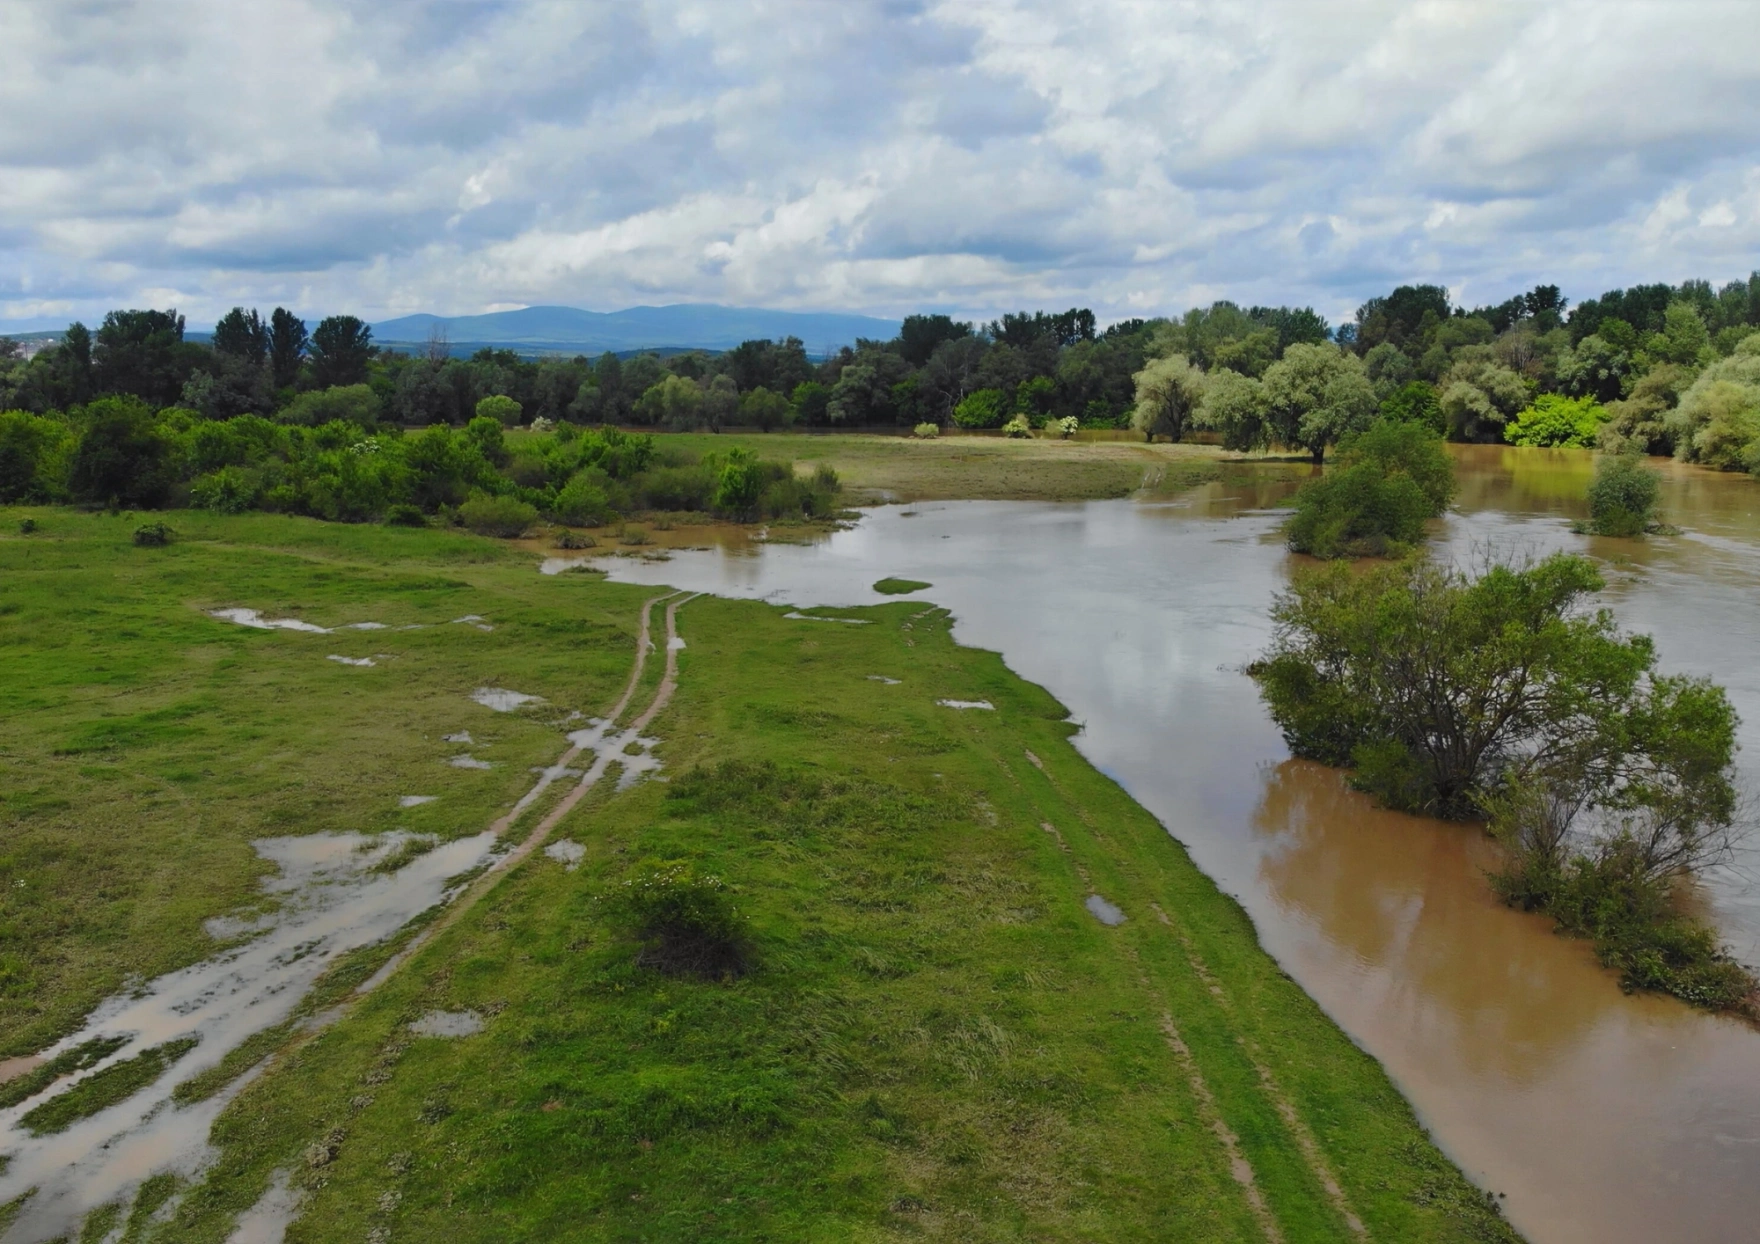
(983, 704)
(12, 1068)
(890, 682)
(1106, 913)
(256, 621)
(472, 619)
(798, 616)
(675, 644)
(567, 853)
(463, 736)
(469, 762)
(502, 700)
(448, 1024)
(415, 801)
(267, 1221)
(331, 903)
(366, 662)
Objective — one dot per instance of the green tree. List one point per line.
(1556, 420)
(810, 400)
(243, 335)
(920, 335)
(1388, 481)
(143, 353)
(287, 346)
(1316, 394)
(33, 450)
(123, 456)
(1479, 395)
(353, 403)
(501, 408)
(765, 410)
(340, 350)
(1169, 392)
(675, 402)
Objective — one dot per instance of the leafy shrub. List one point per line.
(926, 431)
(123, 456)
(984, 408)
(583, 502)
(1388, 481)
(1415, 402)
(686, 922)
(153, 535)
(1066, 426)
(1622, 497)
(405, 515)
(28, 526)
(1556, 420)
(504, 410)
(506, 517)
(739, 483)
(33, 453)
(350, 403)
(1017, 427)
(230, 490)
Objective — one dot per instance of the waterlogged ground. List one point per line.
(988, 997)
(1593, 1116)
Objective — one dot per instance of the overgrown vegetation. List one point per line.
(1389, 481)
(1501, 694)
(685, 922)
(893, 586)
(1622, 497)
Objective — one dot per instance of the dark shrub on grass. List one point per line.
(686, 922)
(1388, 481)
(1622, 498)
(406, 515)
(153, 535)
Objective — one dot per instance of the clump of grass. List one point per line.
(411, 848)
(80, 1057)
(106, 1088)
(686, 922)
(632, 535)
(900, 587)
(153, 535)
(576, 540)
(27, 526)
(240, 1059)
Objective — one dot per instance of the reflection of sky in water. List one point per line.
(1601, 1117)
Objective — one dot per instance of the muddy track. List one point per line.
(230, 998)
(610, 749)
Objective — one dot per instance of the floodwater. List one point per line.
(1596, 1116)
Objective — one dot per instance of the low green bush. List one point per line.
(153, 535)
(686, 922)
(1622, 497)
(506, 517)
(1388, 480)
(1557, 420)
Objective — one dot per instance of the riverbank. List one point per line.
(939, 1037)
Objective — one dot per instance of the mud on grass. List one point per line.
(936, 1038)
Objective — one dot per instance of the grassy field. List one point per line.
(994, 468)
(937, 1038)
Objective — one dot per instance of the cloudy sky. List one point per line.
(882, 156)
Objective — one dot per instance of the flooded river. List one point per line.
(1599, 1117)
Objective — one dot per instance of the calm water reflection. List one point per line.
(1602, 1117)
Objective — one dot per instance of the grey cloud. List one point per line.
(866, 155)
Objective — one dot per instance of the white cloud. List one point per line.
(1135, 156)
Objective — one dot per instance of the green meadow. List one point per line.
(934, 1036)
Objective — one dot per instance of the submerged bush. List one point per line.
(1622, 497)
(1388, 481)
(926, 431)
(686, 922)
(1017, 427)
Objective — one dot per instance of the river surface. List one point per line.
(1596, 1116)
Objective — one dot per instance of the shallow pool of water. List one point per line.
(1600, 1117)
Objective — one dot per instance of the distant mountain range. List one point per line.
(682, 326)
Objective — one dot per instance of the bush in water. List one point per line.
(1388, 481)
(1607, 782)
(926, 431)
(1622, 497)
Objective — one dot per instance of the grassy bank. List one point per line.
(875, 466)
(936, 1037)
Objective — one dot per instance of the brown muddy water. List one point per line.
(1594, 1116)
